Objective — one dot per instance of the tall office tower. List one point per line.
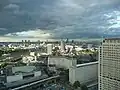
(109, 64)
(62, 46)
(67, 40)
(49, 49)
(29, 41)
(22, 41)
(25, 42)
(38, 42)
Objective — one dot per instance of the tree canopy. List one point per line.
(84, 87)
(76, 84)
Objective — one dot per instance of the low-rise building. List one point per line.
(20, 73)
(84, 72)
(61, 61)
(49, 49)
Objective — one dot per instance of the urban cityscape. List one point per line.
(59, 45)
(61, 65)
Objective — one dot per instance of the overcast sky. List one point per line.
(55, 19)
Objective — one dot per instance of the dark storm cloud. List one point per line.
(3, 3)
(63, 18)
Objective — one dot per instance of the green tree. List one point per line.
(3, 65)
(76, 84)
(84, 87)
(1, 52)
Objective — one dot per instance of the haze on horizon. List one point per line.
(55, 19)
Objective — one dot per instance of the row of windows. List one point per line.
(111, 73)
(111, 45)
(112, 58)
(111, 61)
(111, 41)
(110, 66)
(112, 76)
(111, 51)
(111, 54)
(109, 84)
(111, 48)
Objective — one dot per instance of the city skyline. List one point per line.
(35, 19)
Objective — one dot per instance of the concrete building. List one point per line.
(62, 46)
(61, 61)
(84, 73)
(19, 77)
(14, 78)
(23, 69)
(23, 72)
(49, 49)
(109, 64)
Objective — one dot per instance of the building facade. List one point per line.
(49, 49)
(84, 73)
(62, 62)
(62, 46)
(109, 64)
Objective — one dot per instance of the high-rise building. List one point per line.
(22, 41)
(49, 49)
(29, 41)
(38, 42)
(62, 46)
(67, 40)
(25, 41)
(109, 64)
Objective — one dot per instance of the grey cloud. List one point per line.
(3, 29)
(3, 3)
(18, 1)
(12, 6)
(64, 18)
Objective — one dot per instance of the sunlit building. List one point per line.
(49, 49)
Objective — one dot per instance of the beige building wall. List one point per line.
(84, 73)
